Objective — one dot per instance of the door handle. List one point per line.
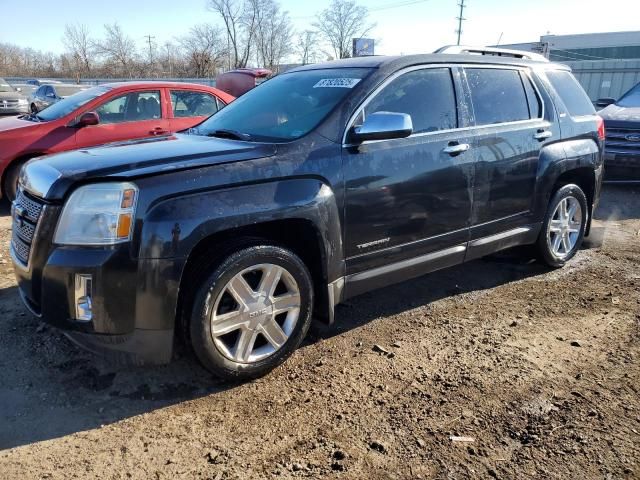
(542, 134)
(455, 148)
(158, 131)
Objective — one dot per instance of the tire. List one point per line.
(564, 226)
(238, 330)
(10, 182)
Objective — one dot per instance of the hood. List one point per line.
(616, 114)
(13, 123)
(50, 177)
(11, 96)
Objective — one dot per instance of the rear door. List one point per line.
(409, 197)
(126, 116)
(510, 130)
(190, 107)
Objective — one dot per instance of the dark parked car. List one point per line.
(323, 183)
(12, 100)
(622, 124)
(49, 94)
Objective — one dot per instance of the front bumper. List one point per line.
(133, 301)
(14, 110)
(621, 167)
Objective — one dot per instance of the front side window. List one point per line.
(497, 95)
(131, 107)
(187, 103)
(285, 107)
(426, 95)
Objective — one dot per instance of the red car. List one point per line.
(103, 114)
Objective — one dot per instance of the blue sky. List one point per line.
(418, 27)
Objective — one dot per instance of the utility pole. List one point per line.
(460, 20)
(149, 38)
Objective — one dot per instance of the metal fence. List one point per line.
(606, 78)
(98, 81)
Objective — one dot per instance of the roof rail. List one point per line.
(498, 52)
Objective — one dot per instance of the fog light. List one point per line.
(83, 297)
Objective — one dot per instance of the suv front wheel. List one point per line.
(252, 312)
(564, 226)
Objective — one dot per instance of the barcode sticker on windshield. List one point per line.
(337, 83)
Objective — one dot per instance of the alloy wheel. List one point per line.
(564, 227)
(255, 313)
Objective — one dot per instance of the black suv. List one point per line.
(320, 184)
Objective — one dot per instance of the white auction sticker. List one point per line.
(337, 83)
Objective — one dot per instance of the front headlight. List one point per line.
(100, 214)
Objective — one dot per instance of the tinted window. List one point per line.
(571, 93)
(497, 95)
(426, 95)
(286, 107)
(192, 104)
(535, 104)
(131, 107)
(631, 98)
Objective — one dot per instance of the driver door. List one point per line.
(128, 116)
(409, 197)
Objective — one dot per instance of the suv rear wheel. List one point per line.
(564, 226)
(252, 312)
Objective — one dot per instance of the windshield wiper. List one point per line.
(224, 133)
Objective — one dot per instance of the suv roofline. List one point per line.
(491, 51)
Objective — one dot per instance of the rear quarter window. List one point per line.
(571, 92)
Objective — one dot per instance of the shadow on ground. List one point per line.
(49, 388)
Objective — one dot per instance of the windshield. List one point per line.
(68, 91)
(5, 87)
(286, 107)
(631, 98)
(69, 104)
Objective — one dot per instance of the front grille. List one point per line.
(623, 141)
(26, 213)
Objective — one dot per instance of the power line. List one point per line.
(388, 6)
(460, 20)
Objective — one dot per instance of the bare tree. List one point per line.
(274, 34)
(205, 48)
(79, 47)
(306, 46)
(342, 21)
(240, 21)
(118, 49)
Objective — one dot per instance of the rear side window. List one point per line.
(188, 103)
(572, 94)
(426, 95)
(497, 95)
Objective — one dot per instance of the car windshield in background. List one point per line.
(5, 87)
(68, 91)
(286, 107)
(68, 105)
(631, 98)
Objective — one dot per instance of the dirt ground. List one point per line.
(539, 368)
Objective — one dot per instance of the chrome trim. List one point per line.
(38, 178)
(499, 236)
(450, 66)
(394, 267)
(455, 149)
(408, 244)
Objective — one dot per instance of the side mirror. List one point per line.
(87, 119)
(605, 102)
(383, 126)
(51, 95)
(18, 89)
